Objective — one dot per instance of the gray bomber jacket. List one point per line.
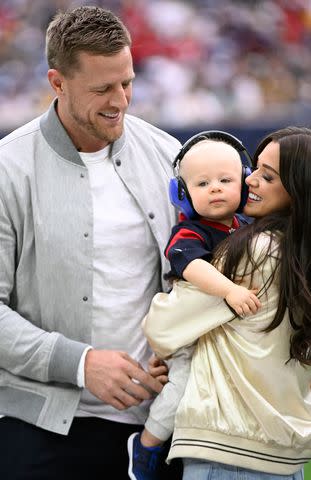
(46, 260)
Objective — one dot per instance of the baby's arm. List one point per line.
(208, 279)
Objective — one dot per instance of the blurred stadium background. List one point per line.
(239, 66)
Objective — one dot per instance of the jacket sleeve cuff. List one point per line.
(65, 359)
(80, 373)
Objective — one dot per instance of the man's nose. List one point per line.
(118, 98)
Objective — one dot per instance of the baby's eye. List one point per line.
(225, 180)
(203, 183)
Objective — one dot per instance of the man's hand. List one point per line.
(158, 369)
(115, 378)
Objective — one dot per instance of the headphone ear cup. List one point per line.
(182, 189)
(178, 197)
(246, 171)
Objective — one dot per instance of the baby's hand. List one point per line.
(242, 300)
(158, 369)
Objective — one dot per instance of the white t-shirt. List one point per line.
(126, 274)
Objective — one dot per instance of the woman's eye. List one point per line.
(267, 177)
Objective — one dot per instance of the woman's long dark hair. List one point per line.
(294, 264)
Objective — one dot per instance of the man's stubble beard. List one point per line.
(92, 129)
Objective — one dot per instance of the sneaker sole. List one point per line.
(130, 442)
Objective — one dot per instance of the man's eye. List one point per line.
(126, 84)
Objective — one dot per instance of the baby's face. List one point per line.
(212, 171)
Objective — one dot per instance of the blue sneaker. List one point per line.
(144, 462)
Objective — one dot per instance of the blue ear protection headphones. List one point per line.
(178, 190)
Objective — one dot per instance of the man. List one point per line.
(84, 218)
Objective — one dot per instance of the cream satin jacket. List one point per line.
(244, 405)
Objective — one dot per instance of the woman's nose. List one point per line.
(251, 179)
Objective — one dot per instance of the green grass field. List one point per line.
(308, 471)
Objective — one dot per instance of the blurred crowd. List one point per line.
(197, 62)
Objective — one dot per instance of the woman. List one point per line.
(247, 405)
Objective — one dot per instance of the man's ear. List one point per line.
(56, 81)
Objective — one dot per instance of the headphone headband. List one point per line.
(213, 135)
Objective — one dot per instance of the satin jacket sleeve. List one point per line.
(179, 318)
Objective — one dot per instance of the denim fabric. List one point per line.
(203, 470)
